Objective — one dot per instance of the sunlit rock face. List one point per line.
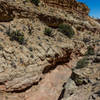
(40, 64)
(68, 4)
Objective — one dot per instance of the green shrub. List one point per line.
(48, 32)
(36, 2)
(31, 49)
(82, 63)
(86, 40)
(1, 47)
(17, 36)
(78, 79)
(66, 30)
(90, 51)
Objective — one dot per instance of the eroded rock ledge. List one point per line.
(38, 70)
(68, 4)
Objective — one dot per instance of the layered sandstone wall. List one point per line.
(68, 4)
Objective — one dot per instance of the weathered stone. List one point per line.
(40, 73)
(68, 4)
(51, 86)
(69, 87)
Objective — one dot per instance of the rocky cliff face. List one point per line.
(35, 65)
(69, 5)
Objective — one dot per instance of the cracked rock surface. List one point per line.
(45, 67)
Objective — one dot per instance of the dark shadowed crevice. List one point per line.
(1, 83)
(58, 61)
(62, 92)
(52, 67)
(50, 21)
(98, 93)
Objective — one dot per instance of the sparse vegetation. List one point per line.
(78, 79)
(31, 56)
(48, 32)
(31, 49)
(17, 36)
(90, 51)
(30, 30)
(85, 40)
(82, 63)
(1, 47)
(66, 30)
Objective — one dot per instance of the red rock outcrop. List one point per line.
(51, 86)
(68, 4)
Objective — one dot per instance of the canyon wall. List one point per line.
(68, 4)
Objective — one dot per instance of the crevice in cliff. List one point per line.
(62, 92)
(47, 69)
(58, 61)
(51, 21)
